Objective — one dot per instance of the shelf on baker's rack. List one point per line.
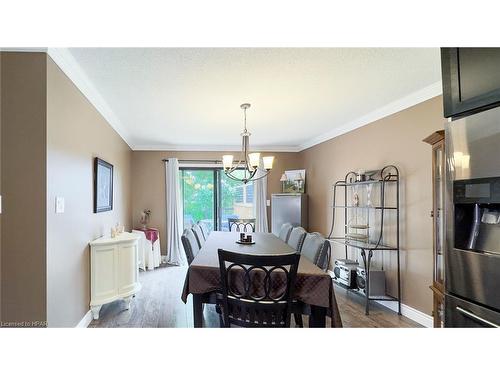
(369, 182)
(361, 244)
(382, 298)
(356, 290)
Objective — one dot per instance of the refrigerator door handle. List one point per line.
(476, 318)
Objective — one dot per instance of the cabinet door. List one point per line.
(127, 267)
(103, 280)
(471, 79)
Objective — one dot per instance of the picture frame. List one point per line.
(103, 186)
(295, 181)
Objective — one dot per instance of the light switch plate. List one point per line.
(268, 203)
(59, 205)
(0, 204)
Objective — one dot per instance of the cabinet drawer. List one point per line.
(464, 314)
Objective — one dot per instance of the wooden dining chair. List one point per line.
(241, 225)
(296, 238)
(257, 290)
(285, 231)
(190, 244)
(198, 232)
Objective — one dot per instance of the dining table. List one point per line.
(313, 293)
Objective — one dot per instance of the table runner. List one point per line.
(151, 234)
(313, 285)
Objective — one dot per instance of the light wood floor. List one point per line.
(159, 304)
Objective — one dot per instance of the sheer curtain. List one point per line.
(260, 189)
(175, 252)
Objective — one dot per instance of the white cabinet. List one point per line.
(114, 272)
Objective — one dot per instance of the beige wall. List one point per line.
(23, 159)
(396, 139)
(76, 133)
(148, 182)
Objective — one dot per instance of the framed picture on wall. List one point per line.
(103, 186)
(294, 181)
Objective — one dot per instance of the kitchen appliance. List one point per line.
(288, 208)
(377, 282)
(472, 262)
(344, 272)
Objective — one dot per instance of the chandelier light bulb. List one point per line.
(254, 159)
(268, 162)
(227, 161)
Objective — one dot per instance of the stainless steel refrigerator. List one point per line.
(472, 258)
(288, 208)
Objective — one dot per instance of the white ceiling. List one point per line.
(175, 98)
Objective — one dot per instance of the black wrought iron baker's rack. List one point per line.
(389, 175)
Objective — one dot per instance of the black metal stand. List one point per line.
(387, 175)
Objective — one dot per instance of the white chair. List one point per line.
(316, 249)
(296, 238)
(190, 244)
(198, 232)
(204, 229)
(285, 231)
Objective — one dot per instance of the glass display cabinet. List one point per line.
(436, 140)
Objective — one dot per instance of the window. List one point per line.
(211, 197)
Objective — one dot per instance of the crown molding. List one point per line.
(23, 49)
(219, 148)
(408, 101)
(67, 63)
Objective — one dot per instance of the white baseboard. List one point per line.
(84, 323)
(410, 312)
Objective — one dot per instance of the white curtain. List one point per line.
(175, 251)
(260, 191)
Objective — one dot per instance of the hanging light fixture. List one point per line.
(249, 162)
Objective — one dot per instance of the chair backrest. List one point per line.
(199, 234)
(257, 290)
(325, 255)
(316, 249)
(296, 238)
(241, 225)
(285, 231)
(190, 244)
(204, 228)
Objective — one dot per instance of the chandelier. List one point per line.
(248, 162)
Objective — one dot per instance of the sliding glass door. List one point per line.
(236, 200)
(209, 196)
(198, 189)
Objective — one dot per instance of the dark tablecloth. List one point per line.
(313, 285)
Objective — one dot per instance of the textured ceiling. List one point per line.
(175, 97)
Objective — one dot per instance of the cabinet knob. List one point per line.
(432, 213)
